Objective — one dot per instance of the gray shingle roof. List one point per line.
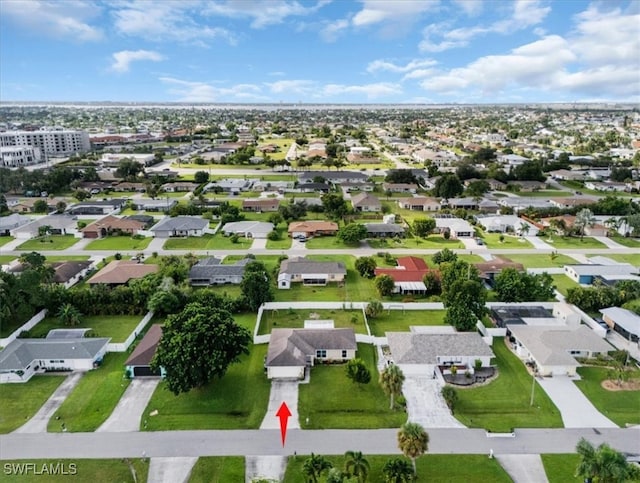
(290, 347)
(211, 267)
(181, 223)
(21, 352)
(383, 228)
(412, 348)
(302, 265)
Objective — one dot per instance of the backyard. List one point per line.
(94, 398)
(119, 243)
(118, 327)
(208, 242)
(294, 319)
(331, 400)
(94, 470)
(504, 403)
(19, 402)
(619, 406)
(53, 242)
(401, 320)
(236, 401)
(563, 283)
(218, 469)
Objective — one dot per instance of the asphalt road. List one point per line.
(328, 442)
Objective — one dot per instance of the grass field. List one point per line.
(119, 243)
(270, 261)
(563, 283)
(541, 260)
(237, 401)
(331, 400)
(633, 259)
(401, 320)
(432, 468)
(6, 259)
(561, 468)
(294, 319)
(437, 242)
(118, 327)
(283, 244)
(218, 469)
(66, 258)
(93, 470)
(621, 407)
(545, 194)
(503, 404)
(626, 241)
(94, 398)
(246, 320)
(19, 402)
(572, 242)
(5, 239)
(54, 242)
(492, 240)
(207, 242)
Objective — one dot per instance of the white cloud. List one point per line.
(196, 91)
(168, 21)
(123, 59)
(470, 7)
(371, 91)
(378, 65)
(377, 11)
(293, 86)
(262, 12)
(439, 37)
(331, 31)
(55, 18)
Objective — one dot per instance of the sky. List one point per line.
(320, 51)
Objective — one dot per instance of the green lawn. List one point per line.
(466, 258)
(54, 242)
(326, 243)
(563, 283)
(119, 243)
(572, 242)
(207, 242)
(66, 258)
(331, 400)
(218, 469)
(503, 404)
(270, 261)
(94, 398)
(246, 320)
(6, 259)
(5, 239)
(283, 244)
(93, 470)
(400, 320)
(621, 407)
(237, 401)
(561, 468)
(118, 327)
(626, 241)
(19, 402)
(432, 468)
(294, 319)
(492, 240)
(541, 260)
(437, 242)
(633, 259)
(545, 194)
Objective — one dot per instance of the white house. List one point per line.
(457, 227)
(180, 226)
(248, 229)
(58, 225)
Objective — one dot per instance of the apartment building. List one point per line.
(61, 143)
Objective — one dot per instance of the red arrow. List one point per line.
(284, 414)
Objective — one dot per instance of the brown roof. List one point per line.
(146, 348)
(312, 226)
(497, 265)
(111, 222)
(260, 202)
(65, 271)
(420, 200)
(121, 271)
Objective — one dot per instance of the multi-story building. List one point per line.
(16, 156)
(50, 143)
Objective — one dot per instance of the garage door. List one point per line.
(144, 371)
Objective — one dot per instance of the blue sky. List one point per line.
(366, 51)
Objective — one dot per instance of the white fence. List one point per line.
(123, 346)
(27, 326)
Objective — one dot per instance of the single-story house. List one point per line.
(248, 229)
(179, 187)
(71, 272)
(572, 201)
(623, 321)
(58, 225)
(553, 348)
(128, 186)
(528, 186)
(586, 273)
(14, 220)
(292, 350)
(26, 205)
(112, 224)
(161, 204)
(465, 203)
(335, 177)
(211, 271)
(420, 203)
(597, 229)
(421, 354)
(504, 224)
(309, 272)
(366, 202)
(139, 362)
(408, 275)
(98, 207)
(360, 186)
(312, 187)
(457, 227)
(489, 269)
(230, 185)
(312, 228)
(605, 186)
(119, 272)
(400, 187)
(180, 226)
(23, 358)
(260, 205)
(384, 230)
(519, 203)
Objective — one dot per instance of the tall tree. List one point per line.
(335, 206)
(198, 344)
(423, 226)
(391, 380)
(443, 256)
(384, 285)
(256, 285)
(413, 441)
(397, 470)
(356, 465)
(69, 315)
(512, 285)
(366, 266)
(584, 220)
(352, 233)
(448, 186)
(314, 466)
(603, 464)
(463, 294)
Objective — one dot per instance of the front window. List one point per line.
(321, 354)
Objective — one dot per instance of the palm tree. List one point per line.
(391, 380)
(613, 224)
(314, 466)
(559, 226)
(524, 228)
(356, 465)
(603, 464)
(397, 470)
(69, 315)
(413, 441)
(584, 219)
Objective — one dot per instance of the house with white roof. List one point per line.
(623, 321)
(248, 229)
(457, 227)
(587, 273)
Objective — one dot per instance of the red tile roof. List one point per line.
(409, 269)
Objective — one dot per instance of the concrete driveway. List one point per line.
(127, 413)
(170, 470)
(259, 243)
(38, 423)
(523, 468)
(282, 390)
(576, 410)
(425, 404)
